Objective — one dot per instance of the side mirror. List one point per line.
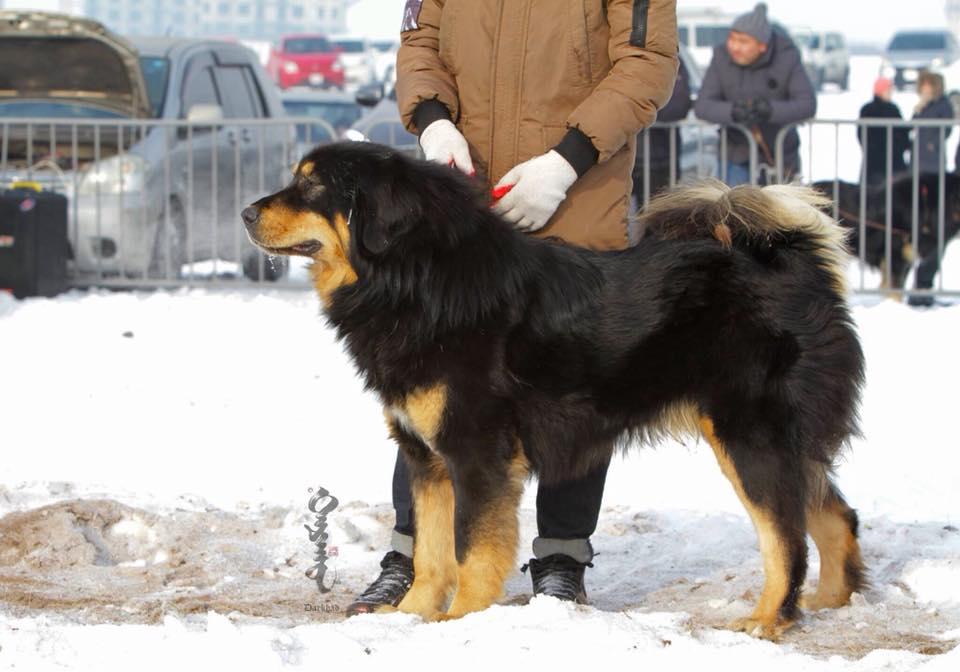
(369, 95)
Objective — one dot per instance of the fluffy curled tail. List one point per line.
(781, 215)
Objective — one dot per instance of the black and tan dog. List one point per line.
(498, 355)
(907, 244)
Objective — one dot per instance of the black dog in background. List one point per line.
(497, 355)
(904, 250)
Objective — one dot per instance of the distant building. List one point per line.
(242, 19)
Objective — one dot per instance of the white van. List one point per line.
(703, 29)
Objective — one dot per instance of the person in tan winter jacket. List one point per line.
(543, 102)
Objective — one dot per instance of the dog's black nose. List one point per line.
(250, 215)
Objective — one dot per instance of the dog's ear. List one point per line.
(386, 207)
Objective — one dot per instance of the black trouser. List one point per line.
(568, 510)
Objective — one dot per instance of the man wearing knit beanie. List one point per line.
(754, 24)
(756, 81)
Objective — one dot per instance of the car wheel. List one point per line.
(169, 245)
(274, 268)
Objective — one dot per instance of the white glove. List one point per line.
(539, 186)
(443, 143)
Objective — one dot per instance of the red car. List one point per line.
(306, 60)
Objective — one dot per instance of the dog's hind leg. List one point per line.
(434, 563)
(833, 526)
(487, 528)
(772, 493)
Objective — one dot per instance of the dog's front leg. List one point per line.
(487, 491)
(434, 564)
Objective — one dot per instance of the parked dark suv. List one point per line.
(911, 51)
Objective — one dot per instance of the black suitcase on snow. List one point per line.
(33, 242)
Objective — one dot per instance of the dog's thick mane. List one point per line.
(461, 268)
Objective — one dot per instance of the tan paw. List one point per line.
(440, 616)
(385, 609)
(760, 629)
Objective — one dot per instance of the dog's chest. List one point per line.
(421, 413)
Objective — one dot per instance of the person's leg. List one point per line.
(567, 515)
(397, 573)
(403, 530)
(737, 173)
(926, 273)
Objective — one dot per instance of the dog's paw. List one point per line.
(441, 616)
(759, 628)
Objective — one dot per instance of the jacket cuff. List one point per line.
(429, 111)
(578, 150)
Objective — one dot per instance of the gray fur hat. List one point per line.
(754, 23)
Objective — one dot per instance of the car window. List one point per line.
(918, 42)
(199, 89)
(259, 106)
(339, 115)
(44, 109)
(155, 74)
(306, 45)
(350, 46)
(241, 100)
(711, 36)
(684, 35)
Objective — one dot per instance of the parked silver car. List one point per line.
(158, 144)
(825, 56)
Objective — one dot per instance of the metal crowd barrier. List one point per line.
(900, 222)
(156, 203)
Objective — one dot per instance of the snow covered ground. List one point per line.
(159, 450)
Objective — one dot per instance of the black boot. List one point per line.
(388, 588)
(558, 575)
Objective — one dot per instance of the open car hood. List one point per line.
(49, 56)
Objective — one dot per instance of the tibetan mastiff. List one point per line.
(498, 355)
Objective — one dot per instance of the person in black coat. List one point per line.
(675, 110)
(875, 163)
(932, 105)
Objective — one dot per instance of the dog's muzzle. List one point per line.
(250, 216)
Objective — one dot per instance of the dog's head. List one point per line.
(350, 204)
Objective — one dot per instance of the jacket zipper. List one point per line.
(638, 35)
(493, 89)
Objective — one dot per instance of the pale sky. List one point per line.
(860, 20)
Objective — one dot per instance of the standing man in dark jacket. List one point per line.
(757, 80)
(659, 142)
(881, 107)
